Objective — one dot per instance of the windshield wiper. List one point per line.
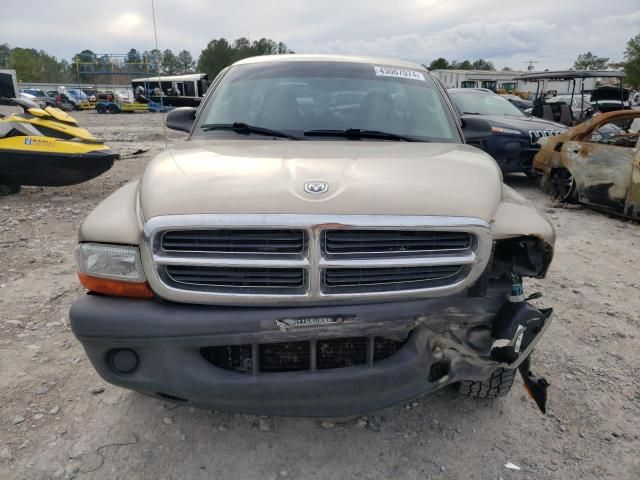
(359, 133)
(471, 113)
(240, 127)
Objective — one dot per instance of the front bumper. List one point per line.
(449, 335)
(513, 154)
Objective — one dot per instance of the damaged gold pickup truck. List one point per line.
(596, 163)
(323, 244)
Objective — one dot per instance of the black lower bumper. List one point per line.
(516, 162)
(167, 340)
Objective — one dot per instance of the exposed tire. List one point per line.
(112, 109)
(563, 186)
(9, 189)
(497, 385)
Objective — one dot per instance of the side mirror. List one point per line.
(475, 129)
(181, 119)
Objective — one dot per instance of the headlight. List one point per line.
(509, 131)
(112, 270)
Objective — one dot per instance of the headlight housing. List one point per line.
(508, 131)
(112, 270)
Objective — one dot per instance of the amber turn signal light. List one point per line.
(116, 288)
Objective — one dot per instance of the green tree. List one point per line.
(482, 64)
(36, 65)
(133, 56)
(5, 53)
(66, 71)
(185, 60)
(170, 63)
(589, 61)
(283, 49)
(154, 60)
(464, 65)
(25, 62)
(632, 62)
(264, 46)
(439, 64)
(219, 53)
(215, 56)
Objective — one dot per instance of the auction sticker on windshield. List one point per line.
(398, 73)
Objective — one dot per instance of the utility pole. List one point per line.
(530, 64)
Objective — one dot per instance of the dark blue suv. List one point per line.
(514, 137)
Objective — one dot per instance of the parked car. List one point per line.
(62, 101)
(514, 135)
(76, 97)
(298, 262)
(517, 101)
(596, 163)
(91, 94)
(38, 96)
(610, 98)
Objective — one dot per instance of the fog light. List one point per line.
(123, 360)
(438, 370)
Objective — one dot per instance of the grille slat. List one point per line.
(293, 278)
(341, 242)
(359, 277)
(296, 356)
(342, 352)
(234, 241)
(284, 357)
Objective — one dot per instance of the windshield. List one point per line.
(479, 103)
(79, 94)
(35, 92)
(302, 97)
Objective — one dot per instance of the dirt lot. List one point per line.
(58, 419)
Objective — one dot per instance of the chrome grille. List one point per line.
(248, 241)
(231, 277)
(409, 242)
(394, 278)
(271, 258)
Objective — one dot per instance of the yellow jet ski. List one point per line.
(46, 148)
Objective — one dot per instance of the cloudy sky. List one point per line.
(552, 32)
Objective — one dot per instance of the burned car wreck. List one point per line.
(297, 256)
(596, 163)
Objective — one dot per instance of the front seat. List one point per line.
(566, 115)
(377, 112)
(279, 110)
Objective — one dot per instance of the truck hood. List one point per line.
(363, 177)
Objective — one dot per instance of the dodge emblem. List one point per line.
(316, 187)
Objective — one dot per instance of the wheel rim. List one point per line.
(562, 184)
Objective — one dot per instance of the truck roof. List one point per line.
(394, 62)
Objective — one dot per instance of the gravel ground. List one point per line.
(58, 419)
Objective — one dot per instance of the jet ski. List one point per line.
(47, 148)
